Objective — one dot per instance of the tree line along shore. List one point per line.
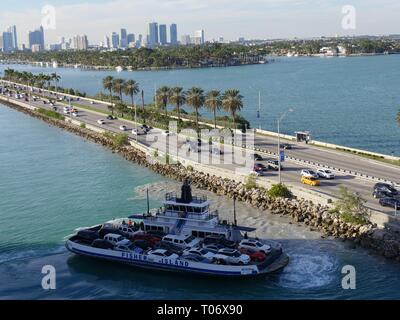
(207, 55)
(159, 113)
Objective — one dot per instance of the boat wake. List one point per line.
(308, 270)
(13, 255)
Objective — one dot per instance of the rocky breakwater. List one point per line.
(317, 217)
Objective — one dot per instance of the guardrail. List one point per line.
(265, 151)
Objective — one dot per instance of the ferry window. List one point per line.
(182, 208)
(189, 209)
(176, 208)
(201, 234)
(195, 233)
(197, 210)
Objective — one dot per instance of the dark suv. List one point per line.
(385, 187)
(390, 202)
(273, 164)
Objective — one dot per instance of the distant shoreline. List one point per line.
(167, 68)
(129, 69)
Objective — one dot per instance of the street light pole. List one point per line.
(279, 152)
(279, 143)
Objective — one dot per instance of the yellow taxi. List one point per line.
(310, 181)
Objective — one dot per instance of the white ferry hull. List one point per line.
(177, 265)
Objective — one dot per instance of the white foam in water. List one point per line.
(309, 270)
(26, 254)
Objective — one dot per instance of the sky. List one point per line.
(230, 19)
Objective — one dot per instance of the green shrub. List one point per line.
(51, 114)
(279, 191)
(250, 181)
(350, 207)
(83, 125)
(353, 219)
(119, 139)
(189, 168)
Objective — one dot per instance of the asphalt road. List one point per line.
(291, 171)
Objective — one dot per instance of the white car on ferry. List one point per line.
(183, 241)
(254, 246)
(200, 252)
(231, 256)
(157, 254)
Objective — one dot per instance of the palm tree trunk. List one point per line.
(111, 103)
(215, 118)
(179, 114)
(197, 123)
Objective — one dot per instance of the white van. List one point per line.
(116, 239)
(183, 241)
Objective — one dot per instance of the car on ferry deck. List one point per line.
(231, 256)
(257, 256)
(116, 239)
(161, 253)
(183, 241)
(254, 246)
(200, 252)
(214, 247)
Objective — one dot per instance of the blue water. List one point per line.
(347, 101)
(52, 182)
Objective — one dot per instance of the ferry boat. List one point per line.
(182, 236)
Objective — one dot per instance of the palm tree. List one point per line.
(195, 99)
(131, 88)
(121, 108)
(107, 85)
(232, 102)
(162, 96)
(213, 103)
(56, 78)
(118, 87)
(178, 97)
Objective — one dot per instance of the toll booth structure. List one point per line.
(303, 136)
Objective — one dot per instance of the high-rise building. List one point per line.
(114, 40)
(131, 38)
(173, 33)
(107, 42)
(199, 36)
(185, 39)
(163, 34)
(123, 41)
(36, 37)
(153, 34)
(7, 42)
(80, 42)
(13, 31)
(1, 42)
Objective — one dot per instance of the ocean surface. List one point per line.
(52, 182)
(348, 101)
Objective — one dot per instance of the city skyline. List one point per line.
(256, 19)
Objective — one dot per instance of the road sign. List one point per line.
(282, 155)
